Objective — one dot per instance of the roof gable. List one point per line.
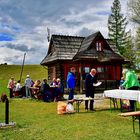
(90, 41)
(89, 51)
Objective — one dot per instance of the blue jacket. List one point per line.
(70, 80)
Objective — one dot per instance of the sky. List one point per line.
(24, 23)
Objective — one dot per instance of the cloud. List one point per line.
(20, 47)
(85, 32)
(24, 24)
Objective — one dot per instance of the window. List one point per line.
(87, 69)
(99, 46)
(100, 71)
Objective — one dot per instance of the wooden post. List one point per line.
(81, 80)
(7, 111)
(105, 77)
(22, 67)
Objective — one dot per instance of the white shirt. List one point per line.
(18, 87)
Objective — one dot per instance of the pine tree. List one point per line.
(117, 26)
(130, 53)
(134, 13)
(137, 47)
(134, 10)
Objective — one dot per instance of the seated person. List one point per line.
(60, 89)
(44, 89)
(121, 82)
(54, 83)
(18, 89)
(36, 88)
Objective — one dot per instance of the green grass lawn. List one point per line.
(6, 71)
(36, 120)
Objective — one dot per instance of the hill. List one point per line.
(6, 71)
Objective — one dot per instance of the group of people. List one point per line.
(37, 89)
(15, 87)
(90, 79)
(129, 81)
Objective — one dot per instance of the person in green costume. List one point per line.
(131, 83)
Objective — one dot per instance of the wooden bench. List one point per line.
(135, 115)
(80, 100)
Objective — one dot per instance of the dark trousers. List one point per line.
(91, 101)
(71, 94)
(47, 96)
(132, 102)
(11, 92)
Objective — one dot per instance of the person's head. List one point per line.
(37, 82)
(72, 69)
(122, 78)
(124, 71)
(18, 81)
(45, 80)
(54, 79)
(12, 78)
(58, 79)
(93, 71)
(28, 76)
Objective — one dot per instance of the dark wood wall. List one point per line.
(109, 75)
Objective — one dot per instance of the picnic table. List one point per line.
(122, 94)
(135, 115)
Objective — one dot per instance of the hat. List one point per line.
(28, 76)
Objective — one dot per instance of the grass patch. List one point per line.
(39, 120)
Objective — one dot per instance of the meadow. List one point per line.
(7, 71)
(38, 120)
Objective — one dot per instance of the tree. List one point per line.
(137, 47)
(134, 9)
(134, 13)
(117, 26)
(130, 52)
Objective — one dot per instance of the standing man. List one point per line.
(131, 83)
(71, 82)
(90, 79)
(28, 83)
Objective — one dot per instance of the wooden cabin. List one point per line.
(84, 53)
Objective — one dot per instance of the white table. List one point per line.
(123, 94)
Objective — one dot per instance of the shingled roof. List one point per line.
(63, 47)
